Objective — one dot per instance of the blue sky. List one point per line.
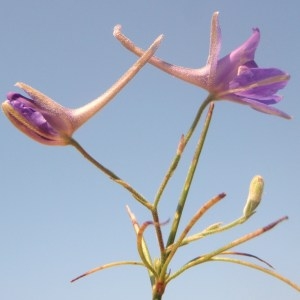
(60, 217)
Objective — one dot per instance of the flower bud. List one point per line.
(255, 193)
(45, 121)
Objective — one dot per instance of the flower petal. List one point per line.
(24, 114)
(33, 116)
(228, 66)
(264, 92)
(261, 107)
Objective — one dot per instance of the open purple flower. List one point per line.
(235, 77)
(48, 122)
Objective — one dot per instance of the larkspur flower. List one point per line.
(48, 122)
(235, 77)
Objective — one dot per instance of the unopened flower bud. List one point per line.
(255, 194)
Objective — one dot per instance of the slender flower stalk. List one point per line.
(189, 178)
(111, 174)
(48, 122)
(235, 77)
(182, 144)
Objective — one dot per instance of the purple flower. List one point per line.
(39, 117)
(49, 123)
(235, 77)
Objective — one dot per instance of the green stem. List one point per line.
(159, 235)
(169, 174)
(190, 175)
(183, 142)
(157, 297)
(166, 258)
(111, 175)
